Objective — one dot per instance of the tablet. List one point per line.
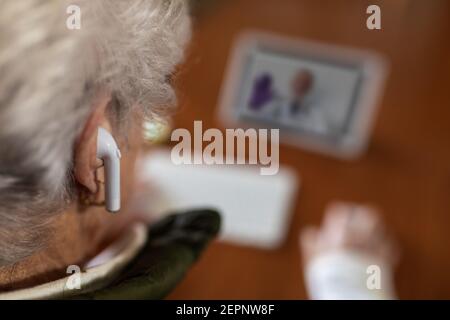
(322, 97)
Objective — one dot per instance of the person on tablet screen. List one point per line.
(301, 87)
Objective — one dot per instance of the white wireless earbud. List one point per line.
(108, 151)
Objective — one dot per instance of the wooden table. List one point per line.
(406, 171)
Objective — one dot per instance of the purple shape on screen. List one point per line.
(262, 92)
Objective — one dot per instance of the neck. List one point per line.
(74, 237)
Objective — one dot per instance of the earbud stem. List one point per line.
(108, 151)
(112, 184)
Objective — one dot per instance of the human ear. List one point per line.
(86, 162)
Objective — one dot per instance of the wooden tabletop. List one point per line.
(406, 171)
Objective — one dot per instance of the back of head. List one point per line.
(48, 76)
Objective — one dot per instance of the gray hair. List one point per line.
(48, 78)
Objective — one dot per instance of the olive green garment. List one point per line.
(173, 245)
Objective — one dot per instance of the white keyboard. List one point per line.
(256, 209)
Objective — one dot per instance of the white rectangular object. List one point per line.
(255, 209)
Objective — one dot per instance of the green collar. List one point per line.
(147, 262)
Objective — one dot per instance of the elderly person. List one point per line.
(58, 85)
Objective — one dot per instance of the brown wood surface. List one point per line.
(406, 171)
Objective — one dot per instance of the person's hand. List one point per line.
(338, 255)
